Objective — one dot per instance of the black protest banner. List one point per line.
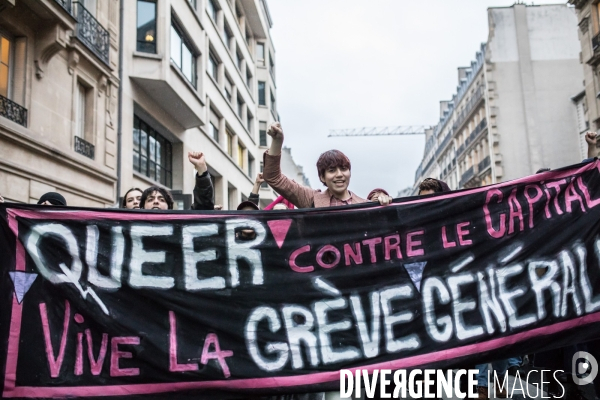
(114, 303)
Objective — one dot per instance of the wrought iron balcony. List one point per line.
(84, 148)
(66, 4)
(483, 164)
(467, 176)
(11, 110)
(595, 42)
(92, 34)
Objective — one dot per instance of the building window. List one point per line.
(182, 54)
(249, 121)
(240, 107)
(81, 108)
(227, 36)
(240, 60)
(272, 65)
(5, 66)
(229, 143)
(250, 165)
(146, 26)
(212, 9)
(260, 54)
(192, 3)
(262, 133)
(262, 96)
(249, 79)
(213, 67)
(214, 126)
(248, 35)
(240, 156)
(228, 89)
(273, 104)
(152, 153)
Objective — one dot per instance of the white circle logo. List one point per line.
(584, 363)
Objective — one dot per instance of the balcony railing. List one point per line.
(596, 42)
(84, 148)
(483, 164)
(468, 108)
(467, 176)
(11, 110)
(444, 143)
(92, 34)
(471, 138)
(66, 4)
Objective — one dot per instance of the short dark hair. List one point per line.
(332, 159)
(431, 184)
(124, 201)
(160, 190)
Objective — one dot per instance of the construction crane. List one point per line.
(385, 131)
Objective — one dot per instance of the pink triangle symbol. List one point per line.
(280, 228)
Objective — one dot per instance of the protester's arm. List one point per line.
(254, 196)
(301, 196)
(1, 199)
(381, 196)
(203, 190)
(591, 138)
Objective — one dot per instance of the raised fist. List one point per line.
(198, 161)
(275, 131)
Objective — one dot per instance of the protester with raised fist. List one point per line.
(204, 191)
(334, 172)
(592, 140)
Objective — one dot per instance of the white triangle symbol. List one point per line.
(22, 281)
(415, 271)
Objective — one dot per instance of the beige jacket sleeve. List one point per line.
(300, 196)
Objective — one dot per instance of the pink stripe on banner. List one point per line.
(299, 380)
(10, 375)
(20, 250)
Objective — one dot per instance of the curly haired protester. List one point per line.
(334, 172)
(156, 198)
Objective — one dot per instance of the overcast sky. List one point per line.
(355, 63)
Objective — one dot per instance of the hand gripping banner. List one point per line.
(100, 303)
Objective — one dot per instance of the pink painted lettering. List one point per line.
(412, 244)
(294, 266)
(371, 243)
(328, 249)
(496, 234)
(174, 366)
(462, 230)
(116, 355)
(556, 186)
(55, 363)
(571, 196)
(447, 244)
(531, 200)
(391, 243)
(516, 211)
(591, 203)
(218, 354)
(96, 363)
(355, 255)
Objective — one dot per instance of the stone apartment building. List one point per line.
(513, 111)
(587, 101)
(196, 75)
(59, 100)
(200, 77)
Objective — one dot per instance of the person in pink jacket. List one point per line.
(334, 172)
